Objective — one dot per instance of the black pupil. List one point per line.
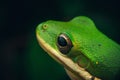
(62, 41)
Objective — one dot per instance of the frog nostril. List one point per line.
(44, 27)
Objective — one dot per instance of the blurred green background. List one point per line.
(21, 56)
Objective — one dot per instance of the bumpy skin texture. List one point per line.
(103, 53)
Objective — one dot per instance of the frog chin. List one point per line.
(65, 61)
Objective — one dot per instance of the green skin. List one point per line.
(92, 50)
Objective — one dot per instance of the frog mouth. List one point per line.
(65, 61)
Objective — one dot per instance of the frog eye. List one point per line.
(64, 43)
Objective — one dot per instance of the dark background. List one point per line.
(21, 57)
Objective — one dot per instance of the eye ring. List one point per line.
(64, 43)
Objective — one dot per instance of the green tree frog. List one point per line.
(84, 51)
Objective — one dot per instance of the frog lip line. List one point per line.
(66, 62)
